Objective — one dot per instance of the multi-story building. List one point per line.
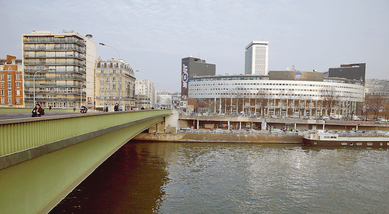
(176, 99)
(281, 93)
(115, 83)
(164, 99)
(377, 87)
(146, 88)
(191, 67)
(256, 58)
(11, 82)
(57, 64)
(355, 71)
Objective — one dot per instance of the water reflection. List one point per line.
(131, 181)
(234, 178)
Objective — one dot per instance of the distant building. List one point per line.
(63, 65)
(146, 88)
(11, 82)
(142, 101)
(192, 67)
(377, 87)
(115, 83)
(164, 99)
(176, 98)
(256, 58)
(355, 71)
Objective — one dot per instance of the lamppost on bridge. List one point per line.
(102, 44)
(34, 87)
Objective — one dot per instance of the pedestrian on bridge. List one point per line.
(116, 108)
(38, 111)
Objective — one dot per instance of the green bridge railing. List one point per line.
(23, 134)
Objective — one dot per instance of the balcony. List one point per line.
(31, 77)
(32, 71)
(55, 85)
(31, 92)
(53, 99)
(43, 48)
(53, 40)
(55, 63)
(55, 57)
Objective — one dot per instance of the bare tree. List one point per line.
(375, 103)
(330, 99)
(262, 98)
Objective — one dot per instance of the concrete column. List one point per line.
(198, 123)
(214, 105)
(220, 105)
(295, 125)
(229, 125)
(240, 125)
(263, 125)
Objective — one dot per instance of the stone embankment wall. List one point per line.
(225, 138)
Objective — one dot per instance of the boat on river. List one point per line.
(330, 140)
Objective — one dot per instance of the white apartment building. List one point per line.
(62, 65)
(164, 99)
(145, 90)
(256, 58)
(115, 83)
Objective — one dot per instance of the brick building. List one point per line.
(11, 82)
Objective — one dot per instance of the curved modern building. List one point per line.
(281, 93)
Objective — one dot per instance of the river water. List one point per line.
(234, 178)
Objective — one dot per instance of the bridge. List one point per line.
(43, 159)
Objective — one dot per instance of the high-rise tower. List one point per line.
(257, 57)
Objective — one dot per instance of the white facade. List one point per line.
(302, 97)
(257, 57)
(164, 99)
(146, 88)
(114, 83)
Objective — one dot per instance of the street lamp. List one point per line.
(34, 87)
(102, 44)
(142, 72)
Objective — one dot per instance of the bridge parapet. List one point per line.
(43, 133)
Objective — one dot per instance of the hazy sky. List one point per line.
(153, 35)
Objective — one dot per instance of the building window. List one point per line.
(17, 77)
(9, 100)
(107, 79)
(113, 79)
(9, 77)
(1, 84)
(102, 72)
(9, 85)
(10, 68)
(10, 93)
(17, 92)
(17, 84)
(114, 72)
(17, 100)
(1, 76)
(2, 92)
(113, 86)
(2, 100)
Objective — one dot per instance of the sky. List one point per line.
(154, 35)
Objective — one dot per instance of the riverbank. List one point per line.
(225, 138)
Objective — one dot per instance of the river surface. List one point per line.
(234, 178)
